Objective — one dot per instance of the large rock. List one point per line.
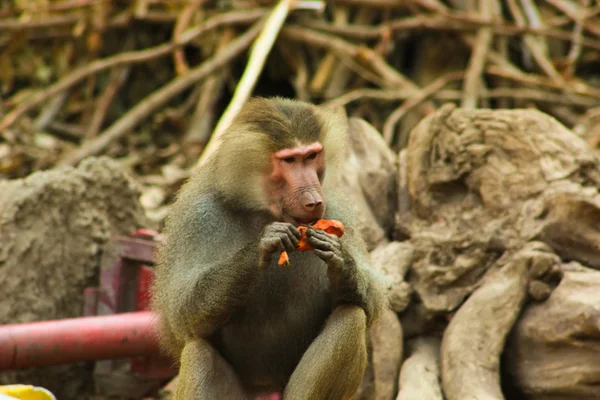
(52, 228)
(385, 347)
(554, 350)
(480, 186)
(369, 177)
(485, 182)
(420, 374)
(394, 259)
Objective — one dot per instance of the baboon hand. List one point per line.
(327, 247)
(277, 237)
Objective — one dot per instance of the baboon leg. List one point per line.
(333, 366)
(204, 374)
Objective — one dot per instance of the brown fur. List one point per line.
(239, 329)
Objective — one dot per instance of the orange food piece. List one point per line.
(330, 226)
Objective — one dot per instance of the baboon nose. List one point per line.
(312, 205)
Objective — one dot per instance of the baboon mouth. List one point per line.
(297, 221)
(306, 221)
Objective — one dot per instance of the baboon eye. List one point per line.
(289, 160)
(311, 156)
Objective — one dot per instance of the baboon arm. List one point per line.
(207, 296)
(207, 264)
(367, 288)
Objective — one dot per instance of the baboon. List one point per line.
(240, 325)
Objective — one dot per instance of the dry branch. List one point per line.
(573, 11)
(392, 77)
(258, 55)
(133, 57)
(116, 81)
(575, 51)
(50, 110)
(483, 41)
(375, 94)
(343, 73)
(183, 19)
(537, 47)
(158, 98)
(429, 91)
(324, 71)
(201, 123)
(578, 87)
(375, 3)
(538, 95)
(450, 22)
(19, 24)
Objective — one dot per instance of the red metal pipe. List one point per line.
(79, 339)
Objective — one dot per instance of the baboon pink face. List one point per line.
(295, 193)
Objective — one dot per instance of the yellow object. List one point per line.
(26, 392)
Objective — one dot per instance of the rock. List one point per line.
(394, 259)
(554, 349)
(420, 372)
(52, 228)
(486, 182)
(377, 175)
(474, 340)
(385, 345)
(369, 178)
(477, 189)
(386, 355)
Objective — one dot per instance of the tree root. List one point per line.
(474, 340)
(420, 373)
